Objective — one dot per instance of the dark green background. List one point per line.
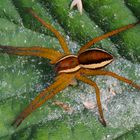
(22, 78)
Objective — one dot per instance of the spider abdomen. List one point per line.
(94, 58)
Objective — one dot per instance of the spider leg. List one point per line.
(51, 54)
(97, 39)
(52, 29)
(88, 81)
(109, 73)
(48, 93)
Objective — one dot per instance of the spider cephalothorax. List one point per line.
(69, 67)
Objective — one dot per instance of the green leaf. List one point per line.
(22, 78)
(114, 14)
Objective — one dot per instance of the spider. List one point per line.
(69, 67)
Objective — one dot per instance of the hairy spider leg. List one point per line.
(51, 54)
(53, 89)
(97, 91)
(97, 39)
(109, 73)
(30, 108)
(52, 29)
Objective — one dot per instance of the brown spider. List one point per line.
(69, 67)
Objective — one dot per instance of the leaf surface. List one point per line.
(22, 78)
